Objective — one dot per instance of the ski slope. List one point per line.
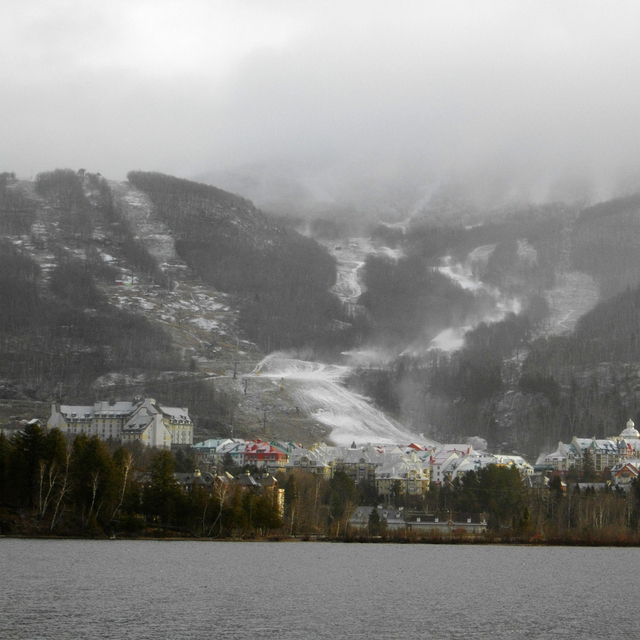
(318, 389)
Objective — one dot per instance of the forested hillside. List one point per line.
(282, 278)
(521, 383)
(157, 285)
(96, 300)
(605, 243)
(57, 328)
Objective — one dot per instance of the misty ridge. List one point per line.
(491, 329)
(441, 197)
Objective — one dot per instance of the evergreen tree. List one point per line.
(161, 496)
(374, 522)
(5, 456)
(28, 449)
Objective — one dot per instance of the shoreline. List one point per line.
(559, 541)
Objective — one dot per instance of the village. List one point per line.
(399, 481)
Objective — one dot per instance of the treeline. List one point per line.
(453, 394)
(507, 385)
(58, 332)
(81, 200)
(17, 212)
(282, 278)
(610, 332)
(63, 188)
(540, 226)
(553, 513)
(515, 511)
(89, 488)
(588, 380)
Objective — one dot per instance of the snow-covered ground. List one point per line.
(350, 259)
(137, 208)
(318, 389)
(463, 273)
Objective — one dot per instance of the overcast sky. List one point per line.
(426, 89)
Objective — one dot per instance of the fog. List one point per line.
(355, 103)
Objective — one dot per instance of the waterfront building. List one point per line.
(143, 420)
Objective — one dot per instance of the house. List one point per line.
(629, 438)
(624, 473)
(187, 481)
(401, 520)
(600, 453)
(265, 455)
(10, 430)
(410, 474)
(440, 465)
(262, 483)
(463, 523)
(393, 517)
(314, 461)
(142, 420)
(358, 463)
(235, 448)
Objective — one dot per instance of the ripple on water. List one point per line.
(151, 590)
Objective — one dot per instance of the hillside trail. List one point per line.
(318, 390)
(574, 294)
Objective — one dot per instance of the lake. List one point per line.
(73, 589)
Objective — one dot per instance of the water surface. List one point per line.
(70, 589)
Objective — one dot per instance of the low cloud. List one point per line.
(506, 100)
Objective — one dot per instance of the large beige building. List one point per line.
(142, 420)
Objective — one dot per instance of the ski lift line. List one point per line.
(165, 382)
(176, 382)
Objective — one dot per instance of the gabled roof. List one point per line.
(180, 414)
(139, 425)
(628, 467)
(247, 480)
(399, 468)
(76, 412)
(120, 408)
(390, 514)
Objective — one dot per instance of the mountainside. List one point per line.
(109, 290)
(563, 364)
(178, 290)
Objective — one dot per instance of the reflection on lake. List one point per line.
(67, 589)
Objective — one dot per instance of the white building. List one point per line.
(142, 421)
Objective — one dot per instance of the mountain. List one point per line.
(565, 363)
(177, 290)
(156, 286)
